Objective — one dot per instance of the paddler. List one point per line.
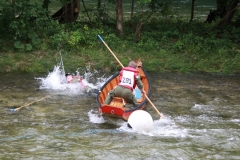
(74, 79)
(128, 79)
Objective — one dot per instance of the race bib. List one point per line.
(127, 79)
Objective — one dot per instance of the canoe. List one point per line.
(116, 108)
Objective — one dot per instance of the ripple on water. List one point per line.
(202, 122)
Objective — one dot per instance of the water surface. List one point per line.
(201, 120)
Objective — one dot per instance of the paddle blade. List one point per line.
(13, 109)
(100, 38)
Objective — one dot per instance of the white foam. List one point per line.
(164, 127)
(95, 118)
(56, 80)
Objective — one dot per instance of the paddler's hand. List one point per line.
(142, 90)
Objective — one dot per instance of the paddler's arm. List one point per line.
(139, 83)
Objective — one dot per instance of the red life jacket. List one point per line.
(75, 79)
(127, 77)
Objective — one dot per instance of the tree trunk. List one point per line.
(68, 13)
(119, 16)
(46, 4)
(137, 35)
(226, 20)
(13, 9)
(132, 11)
(138, 30)
(86, 10)
(221, 8)
(192, 10)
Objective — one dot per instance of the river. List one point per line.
(201, 119)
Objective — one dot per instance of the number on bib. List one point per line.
(127, 78)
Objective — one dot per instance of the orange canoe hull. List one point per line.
(116, 108)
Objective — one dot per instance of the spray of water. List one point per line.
(56, 80)
(162, 127)
(95, 118)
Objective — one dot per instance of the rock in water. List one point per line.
(141, 120)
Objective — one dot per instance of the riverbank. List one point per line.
(101, 59)
(164, 42)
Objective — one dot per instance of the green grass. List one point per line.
(164, 44)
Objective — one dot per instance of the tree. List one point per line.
(192, 10)
(69, 11)
(230, 10)
(132, 11)
(225, 11)
(46, 4)
(119, 16)
(222, 7)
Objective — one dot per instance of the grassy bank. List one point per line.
(165, 41)
(164, 45)
(101, 59)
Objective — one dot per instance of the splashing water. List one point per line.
(162, 127)
(95, 118)
(56, 80)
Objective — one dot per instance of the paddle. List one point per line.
(16, 109)
(110, 50)
(161, 115)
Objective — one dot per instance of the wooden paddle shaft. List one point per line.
(113, 54)
(122, 67)
(153, 105)
(110, 51)
(16, 109)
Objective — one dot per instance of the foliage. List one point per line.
(101, 13)
(166, 42)
(25, 23)
(76, 36)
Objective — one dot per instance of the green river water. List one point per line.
(201, 120)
